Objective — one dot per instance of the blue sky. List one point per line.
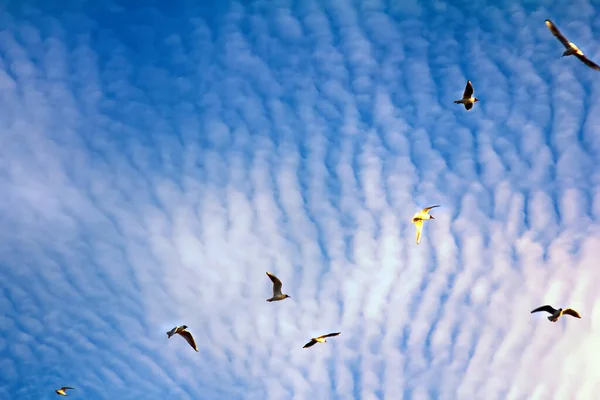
(157, 158)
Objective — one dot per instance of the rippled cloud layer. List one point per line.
(156, 161)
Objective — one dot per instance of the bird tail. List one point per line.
(457, 101)
(169, 334)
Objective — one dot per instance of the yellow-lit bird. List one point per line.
(319, 339)
(571, 49)
(418, 219)
(63, 390)
(184, 333)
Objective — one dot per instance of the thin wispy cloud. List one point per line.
(156, 161)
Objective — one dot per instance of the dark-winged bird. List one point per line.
(468, 100)
(556, 314)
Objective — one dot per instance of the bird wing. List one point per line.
(588, 62)
(310, 344)
(572, 312)
(468, 90)
(468, 106)
(557, 34)
(67, 387)
(419, 226)
(187, 335)
(329, 335)
(276, 284)
(426, 210)
(546, 308)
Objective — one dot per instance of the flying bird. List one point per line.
(63, 390)
(556, 314)
(571, 49)
(418, 219)
(468, 100)
(277, 295)
(320, 339)
(184, 333)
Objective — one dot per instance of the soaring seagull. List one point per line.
(319, 339)
(571, 49)
(277, 295)
(418, 219)
(468, 100)
(556, 314)
(63, 390)
(184, 333)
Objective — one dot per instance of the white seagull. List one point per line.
(182, 331)
(556, 314)
(277, 295)
(468, 100)
(418, 219)
(63, 390)
(319, 339)
(571, 49)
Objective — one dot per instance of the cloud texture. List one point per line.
(156, 160)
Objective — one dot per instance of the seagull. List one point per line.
(571, 49)
(181, 330)
(468, 100)
(63, 390)
(418, 219)
(320, 339)
(277, 295)
(557, 313)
